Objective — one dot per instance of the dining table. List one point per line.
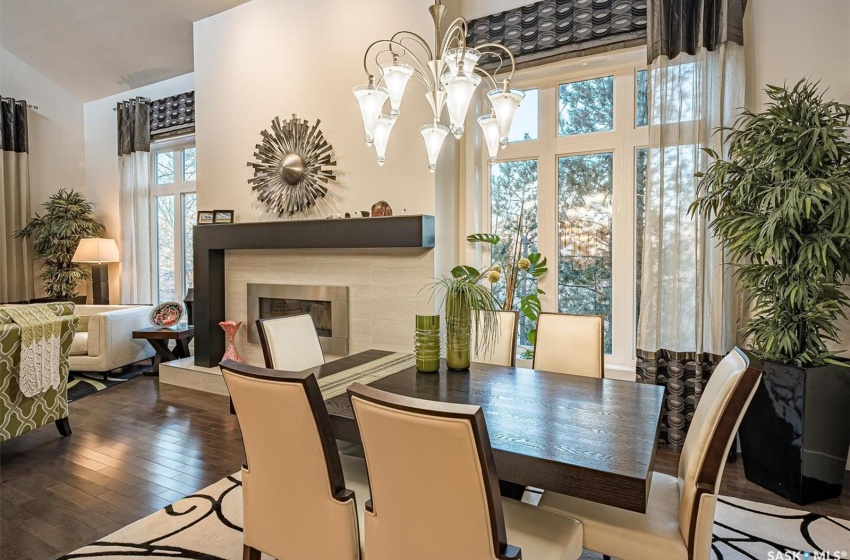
(591, 438)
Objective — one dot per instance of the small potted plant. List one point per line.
(68, 218)
(780, 204)
(468, 302)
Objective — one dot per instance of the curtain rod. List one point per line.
(33, 107)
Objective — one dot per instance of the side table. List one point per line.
(158, 338)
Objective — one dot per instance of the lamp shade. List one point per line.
(382, 137)
(96, 250)
(371, 100)
(434, 134)
(396, 78)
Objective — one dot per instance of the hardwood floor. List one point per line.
(135, 449)
(140, 446)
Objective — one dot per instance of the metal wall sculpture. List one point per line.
(294, 166)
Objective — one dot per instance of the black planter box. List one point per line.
(796, 432)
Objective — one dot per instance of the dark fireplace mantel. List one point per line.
(212, 240)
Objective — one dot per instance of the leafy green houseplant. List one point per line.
(68, 217)
(780, 203)
(468, 302)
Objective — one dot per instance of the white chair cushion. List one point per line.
(541, 534)
(627, 534)
(80, 344)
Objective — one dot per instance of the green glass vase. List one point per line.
(426, 343)
(458, 334)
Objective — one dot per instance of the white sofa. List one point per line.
(104, 339)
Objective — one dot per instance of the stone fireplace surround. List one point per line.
(385, 262)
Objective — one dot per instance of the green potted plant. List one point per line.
(780, 203)
(68, 217)
(467, 301)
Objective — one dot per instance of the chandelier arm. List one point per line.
(415, 37)
(410, 57)
(459, 25)
(407, 57)
(503, 48)
(488, 76)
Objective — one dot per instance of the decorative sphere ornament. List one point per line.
(294, 166)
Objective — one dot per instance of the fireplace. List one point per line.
(327, 305)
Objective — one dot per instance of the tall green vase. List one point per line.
(426, 343)
(458, 333)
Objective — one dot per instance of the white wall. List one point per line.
(263, 59)
(101, 157)
(55, 134)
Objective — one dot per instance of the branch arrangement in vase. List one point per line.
(518, 269)
(780, 203)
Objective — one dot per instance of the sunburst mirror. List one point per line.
(294, 166)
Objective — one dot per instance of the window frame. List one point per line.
(177, 189)
(623, 141)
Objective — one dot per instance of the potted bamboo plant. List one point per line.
(68, 218)
(780, 204)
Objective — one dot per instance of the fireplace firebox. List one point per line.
(327, 305)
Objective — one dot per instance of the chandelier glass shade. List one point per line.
(451, 75)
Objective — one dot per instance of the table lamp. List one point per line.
(98, 252)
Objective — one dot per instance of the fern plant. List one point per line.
(780, 203)
(68, 218)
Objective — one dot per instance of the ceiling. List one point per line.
(96, 48)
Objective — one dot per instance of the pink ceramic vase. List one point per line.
(230, 328)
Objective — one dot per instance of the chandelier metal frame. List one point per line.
(450, 78)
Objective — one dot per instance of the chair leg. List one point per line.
(250, 553)
(64, 426)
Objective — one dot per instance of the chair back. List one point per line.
(721, 407)
(295, 501)
(503, 351)
(432, 476)
(290, 343)
(573, 344)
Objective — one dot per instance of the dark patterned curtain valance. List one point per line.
(677, 26)
(173, 115)
(555, 29)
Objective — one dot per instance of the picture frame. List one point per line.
(222, 216)
(206, 217)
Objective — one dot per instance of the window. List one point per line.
(576, 167)
(174, 211)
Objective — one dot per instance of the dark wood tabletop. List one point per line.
(584, 437)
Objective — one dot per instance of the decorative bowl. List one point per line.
(166, 315)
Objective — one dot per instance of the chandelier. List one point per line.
(450, 73)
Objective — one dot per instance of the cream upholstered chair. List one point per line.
(290, 343)
(503, 351)
(435, 493)
(680, 512)
(573, 344)
(299, 493)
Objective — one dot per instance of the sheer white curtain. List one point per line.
(136, 235)
(689, 306)
(688, 302)
(134, 142)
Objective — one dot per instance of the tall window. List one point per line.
(575, 165)
(174, 205)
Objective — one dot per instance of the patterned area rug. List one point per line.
(208, 526)
(85, 384)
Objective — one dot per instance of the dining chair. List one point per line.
(290, 343)
(573, 344)
(435, 493)
(679, 515)
(299, 493)
(503, 351)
